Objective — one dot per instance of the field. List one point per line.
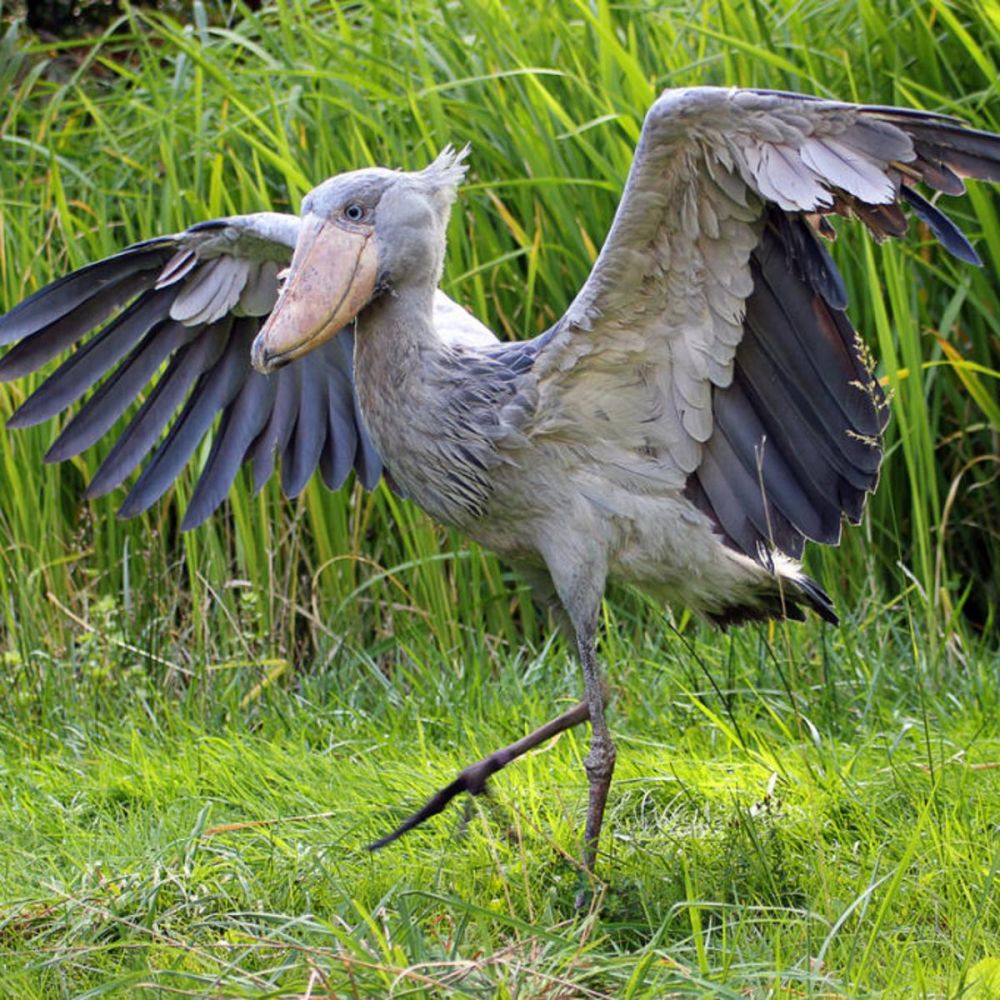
(200, 732)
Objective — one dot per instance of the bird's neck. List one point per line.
(395, 343)
(394, 334)
(405, 379)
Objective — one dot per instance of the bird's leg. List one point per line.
(473, 779)
(600, 762)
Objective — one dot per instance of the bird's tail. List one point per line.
(792, 593)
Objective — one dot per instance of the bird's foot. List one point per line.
(474, 778)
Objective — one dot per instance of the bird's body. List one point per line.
(474, 452)
(700, 410)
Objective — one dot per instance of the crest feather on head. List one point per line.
(448, 170)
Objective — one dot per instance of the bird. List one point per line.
(701, 409)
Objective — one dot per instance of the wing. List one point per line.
(193, 303)
(708, 350)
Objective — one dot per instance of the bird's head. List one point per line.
(362, 234)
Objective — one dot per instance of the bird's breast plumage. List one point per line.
(441, 417)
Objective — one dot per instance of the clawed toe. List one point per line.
(475, 777)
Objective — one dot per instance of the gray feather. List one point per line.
(113, 397)
(51, 338)
(950, 236)
(83, 368)
(240, 425)
(214, 389)
(300, 456)
(145, 427)
(65, 294)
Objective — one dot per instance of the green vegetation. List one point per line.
(806, 817)
(199, 733)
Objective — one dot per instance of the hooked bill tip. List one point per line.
(263, 360)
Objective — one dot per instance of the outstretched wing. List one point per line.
(708, 350)
(193, 303)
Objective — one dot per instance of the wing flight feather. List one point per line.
(179, 313)
(708, 350)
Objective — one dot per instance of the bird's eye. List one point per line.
(354, 212)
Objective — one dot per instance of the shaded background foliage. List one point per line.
(76, 19)
(158, 123)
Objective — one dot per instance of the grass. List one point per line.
(797, 811)
(812, 821)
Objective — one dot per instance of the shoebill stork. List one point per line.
(701, 409)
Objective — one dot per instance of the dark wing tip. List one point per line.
(948, 234)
